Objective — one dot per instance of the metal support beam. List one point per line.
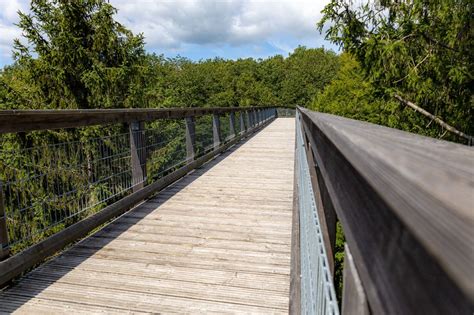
(190, 139)
(138, 154)
(216, 131)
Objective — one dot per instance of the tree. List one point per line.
(419, 49)
(76, 56)
(307, 72)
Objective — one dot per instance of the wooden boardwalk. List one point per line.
(218, 241)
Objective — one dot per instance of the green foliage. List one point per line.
(291, 81)
(76, 56)
(420, 49)
(351, 96)
(307, 71)
(339, 261)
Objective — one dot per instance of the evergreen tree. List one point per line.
(420, 49)
(76, 56)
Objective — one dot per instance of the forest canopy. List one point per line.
(77, 56)
(74, 54)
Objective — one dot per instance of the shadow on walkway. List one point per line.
(29, 286)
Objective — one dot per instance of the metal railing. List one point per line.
(56, 185)
(317, 288)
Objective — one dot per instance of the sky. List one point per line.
(201, 29)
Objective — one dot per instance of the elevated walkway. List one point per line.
(217, 241)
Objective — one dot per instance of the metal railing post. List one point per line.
(190, 139)
(216, 130)
(138, 154)
(232, 125)
(242, 122)
(4, 245)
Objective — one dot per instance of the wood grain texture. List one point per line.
(28, 120)
(406, 206)
(217, 241)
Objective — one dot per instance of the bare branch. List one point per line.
(436, 119)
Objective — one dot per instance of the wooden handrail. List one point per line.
(406, 206)
(29, 120)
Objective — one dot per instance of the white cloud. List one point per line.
(174, 25)
(170, 24)
(8, 31)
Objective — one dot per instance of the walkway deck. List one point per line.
(218, 241)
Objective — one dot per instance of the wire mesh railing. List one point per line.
(317, 288)
(50, 180)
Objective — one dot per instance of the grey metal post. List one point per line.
(216, 130)
(190, 139)
(247, 119)
(242, 122)
(138, 154)
(232, 125)
(4, 246)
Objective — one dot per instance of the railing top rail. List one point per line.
(425, 183)
(29, 120)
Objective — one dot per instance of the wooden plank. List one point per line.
(242, 122)
(28, 120)
(184, 289)
(138, 154)
(354, 300)
(216, 131)
(208, 232)
(415, 194)
(188, 250)
(190, 138)
(326, 214)
(268, 282)
(232, 125)
(126, 300)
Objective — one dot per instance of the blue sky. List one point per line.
(203, 29)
